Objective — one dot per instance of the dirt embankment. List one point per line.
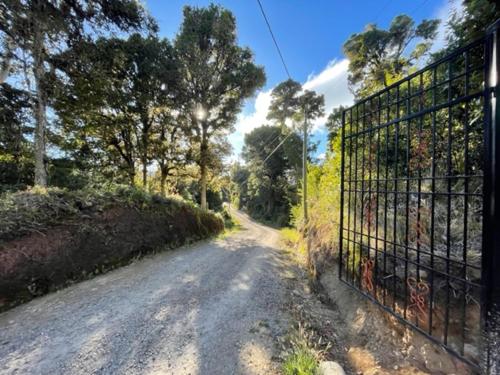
(40, 261)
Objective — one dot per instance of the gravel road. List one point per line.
(211, 308)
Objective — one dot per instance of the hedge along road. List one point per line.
(211, 308)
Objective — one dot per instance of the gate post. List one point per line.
(342, 170)
(491, 204)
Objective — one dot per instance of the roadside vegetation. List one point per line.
(378, 58)
(303, 350)
(267, 186)
(231, 223)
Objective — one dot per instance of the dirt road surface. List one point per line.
(211, 308)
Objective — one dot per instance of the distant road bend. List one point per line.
(211, 308)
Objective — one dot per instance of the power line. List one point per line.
(270, 154)
(278, 146)
(267, 143)
(274, 39)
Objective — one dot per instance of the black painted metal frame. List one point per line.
(420, 222)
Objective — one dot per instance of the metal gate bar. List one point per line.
(419, 223)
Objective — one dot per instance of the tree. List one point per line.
(35, 30)
(267, 186)
(378, 57)
(15, 150)
(93, 105)
(217, 75)
(290, 103)
(284, 102)
(152, 76)
(334, 123)
(170, 149)
(471, 22)
(118, 92)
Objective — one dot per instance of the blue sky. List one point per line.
(311, 34)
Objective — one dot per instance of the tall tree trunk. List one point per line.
(203, 172)
(203, 185)
(40, 107)
(131, 176)
(144, 173)
(163, 179)
(145, 145)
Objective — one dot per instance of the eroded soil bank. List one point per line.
(93, 242)
(364, 339)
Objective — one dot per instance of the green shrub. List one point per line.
(300, 362)
(323, 182)
(37, 209)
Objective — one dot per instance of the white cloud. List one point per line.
(331, 82)
(246, 123)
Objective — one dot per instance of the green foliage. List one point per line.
(290, 103)
(334, 123)
(471, 22)
(117, 101)
(290, 235)
(323, 200)
(121, 103)
(377, 57)
(303, 349)
(38, 209)
(16, 166)
(266, 184)
(285, 102)
(231, 223)
(216, 76)
(301, 362)
(38, 30)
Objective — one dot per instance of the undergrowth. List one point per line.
(302, 351)
(294, 244)
(301, 362)
(37, 209)
(231, 223)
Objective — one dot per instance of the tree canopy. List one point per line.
(216, 76)
(267, 184)
(33, 31)
(378, 57)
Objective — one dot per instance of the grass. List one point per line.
(300, 362)
(294, 244)
(290, 235)
(303, 350)
(231, 224)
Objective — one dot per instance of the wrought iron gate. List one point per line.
(419, 223)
